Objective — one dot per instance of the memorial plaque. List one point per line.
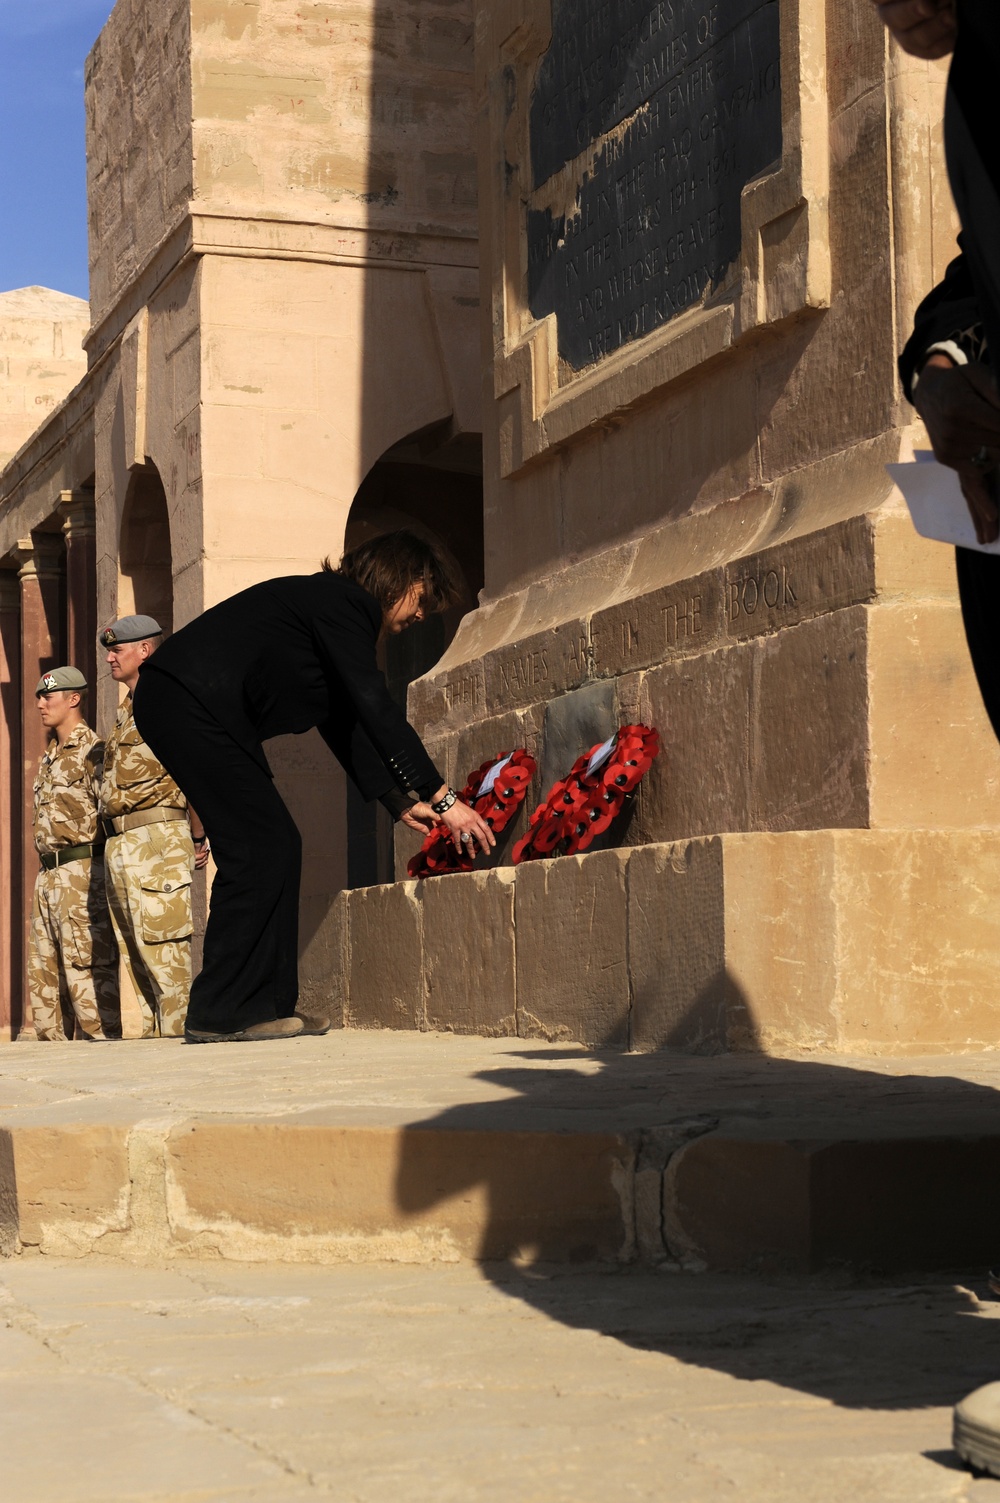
(664, 111)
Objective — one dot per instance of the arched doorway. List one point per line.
(446, 506)
(145, 572)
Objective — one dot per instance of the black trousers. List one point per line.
(979, 591)
(250, 968)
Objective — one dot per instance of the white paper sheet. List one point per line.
(490, 780)
(937, 507)
(601, 754)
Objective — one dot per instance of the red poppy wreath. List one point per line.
(496, 791)
(582, 805)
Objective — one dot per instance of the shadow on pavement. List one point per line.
(917, 1156)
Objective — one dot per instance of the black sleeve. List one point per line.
(347, 646)
(950, 307)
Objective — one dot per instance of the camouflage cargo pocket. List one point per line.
(88, 946)
(166, 905)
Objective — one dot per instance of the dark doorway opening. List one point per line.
(442, 501)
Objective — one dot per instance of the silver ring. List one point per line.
(466, 836)
(981, 459)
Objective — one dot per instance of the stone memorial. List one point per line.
(658, 116)
(657, 396)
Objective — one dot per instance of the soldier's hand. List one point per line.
(202, 851)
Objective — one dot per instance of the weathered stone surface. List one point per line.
(928, 728)
(469, 972)
(919, 935)
(742, 1365)
(573, 724)
(324, 976)
(449, 700)
(402, 1193)
(386, 961)
(70, 1184)
(739, 1200)
(809, 576)
(681, 991)
(808, 748)
(700, 783)
(41, 359)
(678, 621)
(537, 667)
(834, 939)
(572, 968)
(782, 923)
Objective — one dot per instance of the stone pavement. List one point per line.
(215, 1383)
(417, 1147)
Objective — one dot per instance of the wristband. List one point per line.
(443, 805)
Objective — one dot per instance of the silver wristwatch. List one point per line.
(443, 805)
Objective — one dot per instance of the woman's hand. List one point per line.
(960, 406)
(464, 825)
(923, 28)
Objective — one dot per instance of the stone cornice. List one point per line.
(203, 233)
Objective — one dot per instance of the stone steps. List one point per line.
(420, 1148)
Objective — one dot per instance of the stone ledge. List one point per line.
(417, 1149)
(883, 941)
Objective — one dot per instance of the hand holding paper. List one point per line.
(960, 406)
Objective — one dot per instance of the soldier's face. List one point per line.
(126, 659)
(57, 707)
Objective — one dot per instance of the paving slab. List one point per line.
(220, 1383)
(417, 1147)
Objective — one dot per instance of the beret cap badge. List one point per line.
(66, 677)
(129, 629)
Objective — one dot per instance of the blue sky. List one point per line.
(43, 44)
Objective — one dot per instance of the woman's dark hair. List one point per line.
(389, 565)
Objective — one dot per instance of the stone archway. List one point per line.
(145, 569)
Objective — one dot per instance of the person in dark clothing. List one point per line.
(946, 371)
(279, 658)
(946, 364)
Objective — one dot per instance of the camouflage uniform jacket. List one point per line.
(133, 778)
(67, 788)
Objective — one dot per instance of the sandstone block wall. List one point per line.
(864, 941)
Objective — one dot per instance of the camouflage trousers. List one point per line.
(71, 954)
(149, 893)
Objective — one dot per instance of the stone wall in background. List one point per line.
(41, 359)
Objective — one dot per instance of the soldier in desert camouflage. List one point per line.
(72, 964)
(152, 839)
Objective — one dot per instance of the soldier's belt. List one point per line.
(122, 822)
(51, 859)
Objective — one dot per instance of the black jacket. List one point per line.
(294, 653)
(970, 290)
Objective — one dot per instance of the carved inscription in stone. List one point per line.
(464, 690)
(766, 589)
(666, 110)
(673, 622)
(537, 667)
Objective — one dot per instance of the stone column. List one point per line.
(80, 532)
(42, 636)
(10, 795)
